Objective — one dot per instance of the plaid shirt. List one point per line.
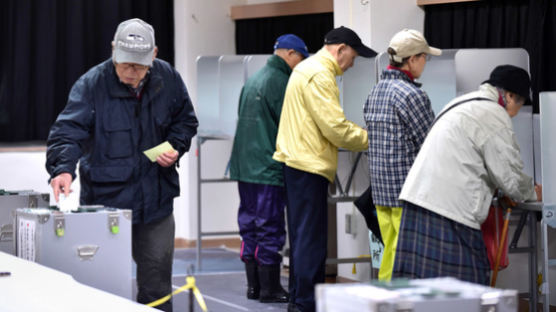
(398, 115)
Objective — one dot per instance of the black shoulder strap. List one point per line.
(457, 104)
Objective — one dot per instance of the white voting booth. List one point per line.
(474, 66)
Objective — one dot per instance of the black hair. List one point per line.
(392, 52)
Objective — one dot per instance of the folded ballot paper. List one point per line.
(68, 203)
(156, 151)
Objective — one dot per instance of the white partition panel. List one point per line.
(253, 63)
(473, 66)
(382, 62)
(548, 147)
(207, 106)
(438, 78)
(537, 147)
(230, 80)
(523, 128)
(355, 85)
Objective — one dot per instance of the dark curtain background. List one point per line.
(257, 36)
(528, 24)
(48, 44)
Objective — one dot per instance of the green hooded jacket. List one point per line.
(260, 105)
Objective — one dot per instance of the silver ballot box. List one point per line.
(9, 202)
(93, 244)
(420, 295)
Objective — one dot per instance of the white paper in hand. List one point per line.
(69, 203)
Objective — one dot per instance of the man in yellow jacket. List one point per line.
(312, 128)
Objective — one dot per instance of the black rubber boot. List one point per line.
(271, 289)
(253, 286)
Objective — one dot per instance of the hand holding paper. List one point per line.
(164, 152)
(167, 159)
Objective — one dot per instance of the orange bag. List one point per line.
(492, 233)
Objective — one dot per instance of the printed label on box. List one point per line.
(26, 239)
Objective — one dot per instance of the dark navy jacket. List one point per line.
(106, 128)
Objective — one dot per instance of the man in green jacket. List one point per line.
(260, 181)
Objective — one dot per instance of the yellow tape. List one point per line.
(190, 284)
(353, 270)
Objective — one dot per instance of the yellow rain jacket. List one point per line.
(313, 125)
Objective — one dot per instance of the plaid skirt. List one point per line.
(430, 245)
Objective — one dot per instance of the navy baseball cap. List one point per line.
(345, 35)
(291, 41)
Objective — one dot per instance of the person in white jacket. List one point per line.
(469, 152)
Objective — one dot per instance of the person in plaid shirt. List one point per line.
(398, 115)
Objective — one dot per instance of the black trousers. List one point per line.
(153, 252)
(308, 231)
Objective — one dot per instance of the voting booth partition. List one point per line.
(547, 122)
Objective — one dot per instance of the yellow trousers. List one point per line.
(389, 219)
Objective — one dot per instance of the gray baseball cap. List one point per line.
(134, 43)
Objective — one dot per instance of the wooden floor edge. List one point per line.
(232, 243)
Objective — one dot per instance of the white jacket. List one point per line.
(468, 153)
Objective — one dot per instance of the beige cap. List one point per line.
(410, 42)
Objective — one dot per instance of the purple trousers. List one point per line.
(261, 222)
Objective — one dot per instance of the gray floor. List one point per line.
(223, 292)
(221, 281)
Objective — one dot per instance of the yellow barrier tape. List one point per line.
(190, 284)
(353, 270)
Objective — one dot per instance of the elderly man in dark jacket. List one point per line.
(118, 109)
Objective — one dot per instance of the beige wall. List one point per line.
(377, 21)
(201, 28)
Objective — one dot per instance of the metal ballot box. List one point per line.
(9, 202)
(92, 244)
(422, 295)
